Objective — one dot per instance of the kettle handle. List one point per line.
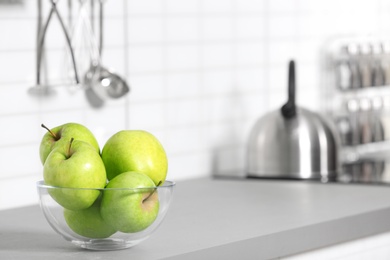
(289, 109)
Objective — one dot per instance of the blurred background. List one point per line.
(200, 73)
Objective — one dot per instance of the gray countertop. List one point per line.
(229, 218)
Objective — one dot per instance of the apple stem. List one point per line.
(70, 145)
(158, 184)
(53, 134)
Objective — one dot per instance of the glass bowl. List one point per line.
(94, 238)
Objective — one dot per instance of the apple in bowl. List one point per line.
(75, 165)
(135, 150)
(133, 208)
(60, 135)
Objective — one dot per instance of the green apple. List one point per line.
(76, 165)
(135, 150)
(88, 222)
(62, 134)
(130, 210)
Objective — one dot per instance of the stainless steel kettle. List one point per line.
(293, 143)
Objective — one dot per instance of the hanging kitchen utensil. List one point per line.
(103, 83)
(39, 88)
(293, 143)
(106, 83)
(91, 57)
(84, 40)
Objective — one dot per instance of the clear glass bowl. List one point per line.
(54, 214)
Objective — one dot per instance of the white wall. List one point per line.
(201, 72)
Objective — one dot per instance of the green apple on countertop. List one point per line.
(60, 135)
(130, 210)
(75, 164)
(135, 150)
(88, 222)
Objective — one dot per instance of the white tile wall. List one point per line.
(201, 73)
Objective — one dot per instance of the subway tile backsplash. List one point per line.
(201, 72)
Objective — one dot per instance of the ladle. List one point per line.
(104, 82)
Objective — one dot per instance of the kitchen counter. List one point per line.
(213, 218)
